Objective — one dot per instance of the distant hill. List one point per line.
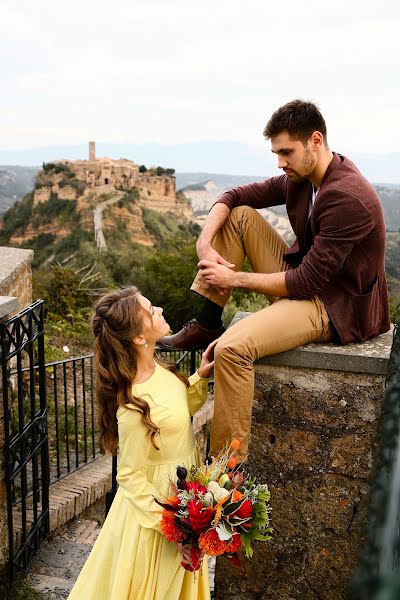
(202, 189)
(15, 182)
(94, 201)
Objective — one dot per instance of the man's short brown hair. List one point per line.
(300, 119)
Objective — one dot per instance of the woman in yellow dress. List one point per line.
(144, 408)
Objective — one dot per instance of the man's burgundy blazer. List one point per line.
(339, 254)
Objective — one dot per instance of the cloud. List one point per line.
(149, 70)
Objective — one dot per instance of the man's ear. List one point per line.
(317, 139)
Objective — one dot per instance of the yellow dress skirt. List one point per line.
(131, 560)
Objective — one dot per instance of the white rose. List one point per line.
(209, 499)
(213, 487)
(221, 494)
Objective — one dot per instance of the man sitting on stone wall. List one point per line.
(329, 285)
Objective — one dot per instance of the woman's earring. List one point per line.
(145, 344)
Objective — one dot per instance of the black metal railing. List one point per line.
(25, 431)
(378, 574)
(71, 410)
(70, 414)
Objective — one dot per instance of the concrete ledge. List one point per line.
(12, 260)
(8, 304)
(366, 357)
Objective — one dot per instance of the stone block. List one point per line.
(352, 455)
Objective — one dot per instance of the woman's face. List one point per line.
(157, 326)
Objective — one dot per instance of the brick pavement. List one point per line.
(55, 569)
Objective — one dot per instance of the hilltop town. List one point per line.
(100, 193)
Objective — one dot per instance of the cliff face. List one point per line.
(67, 193)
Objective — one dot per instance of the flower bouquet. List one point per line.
(214, 510)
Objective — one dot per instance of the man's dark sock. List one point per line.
(210, 316)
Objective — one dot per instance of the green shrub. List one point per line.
(57, 168)
(59, 287)
(46, 212)
(131, 197)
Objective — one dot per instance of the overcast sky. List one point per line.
(171, 71)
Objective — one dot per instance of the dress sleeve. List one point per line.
(196, 392)
(134, 447)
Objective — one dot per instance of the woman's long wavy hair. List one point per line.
(119, 318)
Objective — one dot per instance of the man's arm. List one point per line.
(214, 221)
(270, 192)
(270, 284)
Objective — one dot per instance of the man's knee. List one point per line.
(242, 212)
(232, 348)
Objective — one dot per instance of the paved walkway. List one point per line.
(55, 569)
(98, 221)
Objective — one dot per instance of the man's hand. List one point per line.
(218, 275)
(206, 252)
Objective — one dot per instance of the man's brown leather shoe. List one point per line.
(192, 336)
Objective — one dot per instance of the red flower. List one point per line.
(245, 510)
(234, 545)
(169, 528)
(195, 485)
(199, 517)
(210, 543)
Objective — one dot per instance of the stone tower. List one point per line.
(92, 150)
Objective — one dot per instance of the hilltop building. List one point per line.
(69, 179)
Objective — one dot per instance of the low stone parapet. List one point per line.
(16, 276)
(314, 436)
(70, 496)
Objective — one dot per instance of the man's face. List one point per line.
(296, 159)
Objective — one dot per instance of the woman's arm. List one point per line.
(196, 392)
(134, 446)
(198, 382)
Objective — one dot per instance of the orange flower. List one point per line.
(169, 528)
(173, 501)
(236, 496)
(232, 462)
(210, 543)
(234, 545)
(235, 444)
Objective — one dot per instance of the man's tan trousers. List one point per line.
(282, 325)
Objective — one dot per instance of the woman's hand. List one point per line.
(207, 360)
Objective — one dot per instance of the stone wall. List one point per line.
(16, 275)
(15, 294)
(313, 441)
